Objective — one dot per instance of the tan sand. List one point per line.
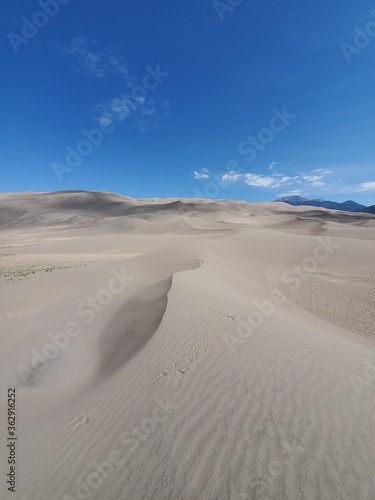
(201, 350)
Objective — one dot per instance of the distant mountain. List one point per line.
(347, 206)
(369, 210)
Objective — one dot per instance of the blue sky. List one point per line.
(223, 99)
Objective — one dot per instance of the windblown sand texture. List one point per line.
(159, 379)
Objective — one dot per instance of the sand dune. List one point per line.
(187, 349)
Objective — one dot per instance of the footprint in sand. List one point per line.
(188, 360)
(77, 422)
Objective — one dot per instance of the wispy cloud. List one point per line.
(93, 62)
(296, 183)
(322, 171)
(85, 59)
(367, 186)
(294, 192)
(313, 181)
(144, 112)
(276, 180)
(252, 179)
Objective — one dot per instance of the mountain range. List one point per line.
(346, 206)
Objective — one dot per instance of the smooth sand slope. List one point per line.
(184, 349)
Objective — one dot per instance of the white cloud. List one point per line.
(122, 106)
(264, 181)
(367, 186)
(119, 66)
(257, 180)
(104, 117)
(322, 171)
(85, 56)
(277, 180)
(231, 177)
(203, 174)
(145, 112)
(314, 180)
(294, 192)
(96, 63)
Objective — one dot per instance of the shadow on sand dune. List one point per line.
(132, 327)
